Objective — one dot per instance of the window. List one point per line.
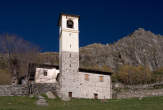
(86, 77)
(95, 96)
(70, 23)
(101, 78)
(45, 73)
(70, 94)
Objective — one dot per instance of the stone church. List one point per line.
(74, 81)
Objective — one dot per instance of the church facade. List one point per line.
(74, 81)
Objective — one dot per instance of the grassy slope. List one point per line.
(25, 103)
(5, 77)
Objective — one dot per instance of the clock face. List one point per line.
(70, 23)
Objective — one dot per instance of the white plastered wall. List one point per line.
(50, 78)
(82, 88)
(64, 22)
(95, 86)
(69, 43)
(69, 37)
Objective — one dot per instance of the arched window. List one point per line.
(70, 23)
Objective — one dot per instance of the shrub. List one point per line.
(134, 74)
(158, 75)
(159, 71)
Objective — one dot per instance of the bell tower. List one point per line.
(68, 33)
(68, 52)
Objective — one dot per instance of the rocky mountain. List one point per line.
(139, 48)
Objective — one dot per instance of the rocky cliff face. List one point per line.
(139, 48)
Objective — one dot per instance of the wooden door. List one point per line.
(95, 96)
(70, 94)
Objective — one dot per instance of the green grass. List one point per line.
(26, 103)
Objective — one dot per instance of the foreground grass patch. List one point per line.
(26, 103)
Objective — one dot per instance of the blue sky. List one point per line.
(102, 21)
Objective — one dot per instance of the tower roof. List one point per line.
(61, 14)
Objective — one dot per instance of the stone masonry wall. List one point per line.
(127, 91)
(139, 93)
(69, 64)
(10, 90)
(41, 88)
(22, 90)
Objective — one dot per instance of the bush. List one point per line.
(158, 75)
(159, 71)
(134, 74)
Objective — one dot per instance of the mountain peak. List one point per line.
(142, 33)
(141, 29)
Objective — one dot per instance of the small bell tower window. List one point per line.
(70, 24)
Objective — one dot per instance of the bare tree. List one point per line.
(19, 53)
